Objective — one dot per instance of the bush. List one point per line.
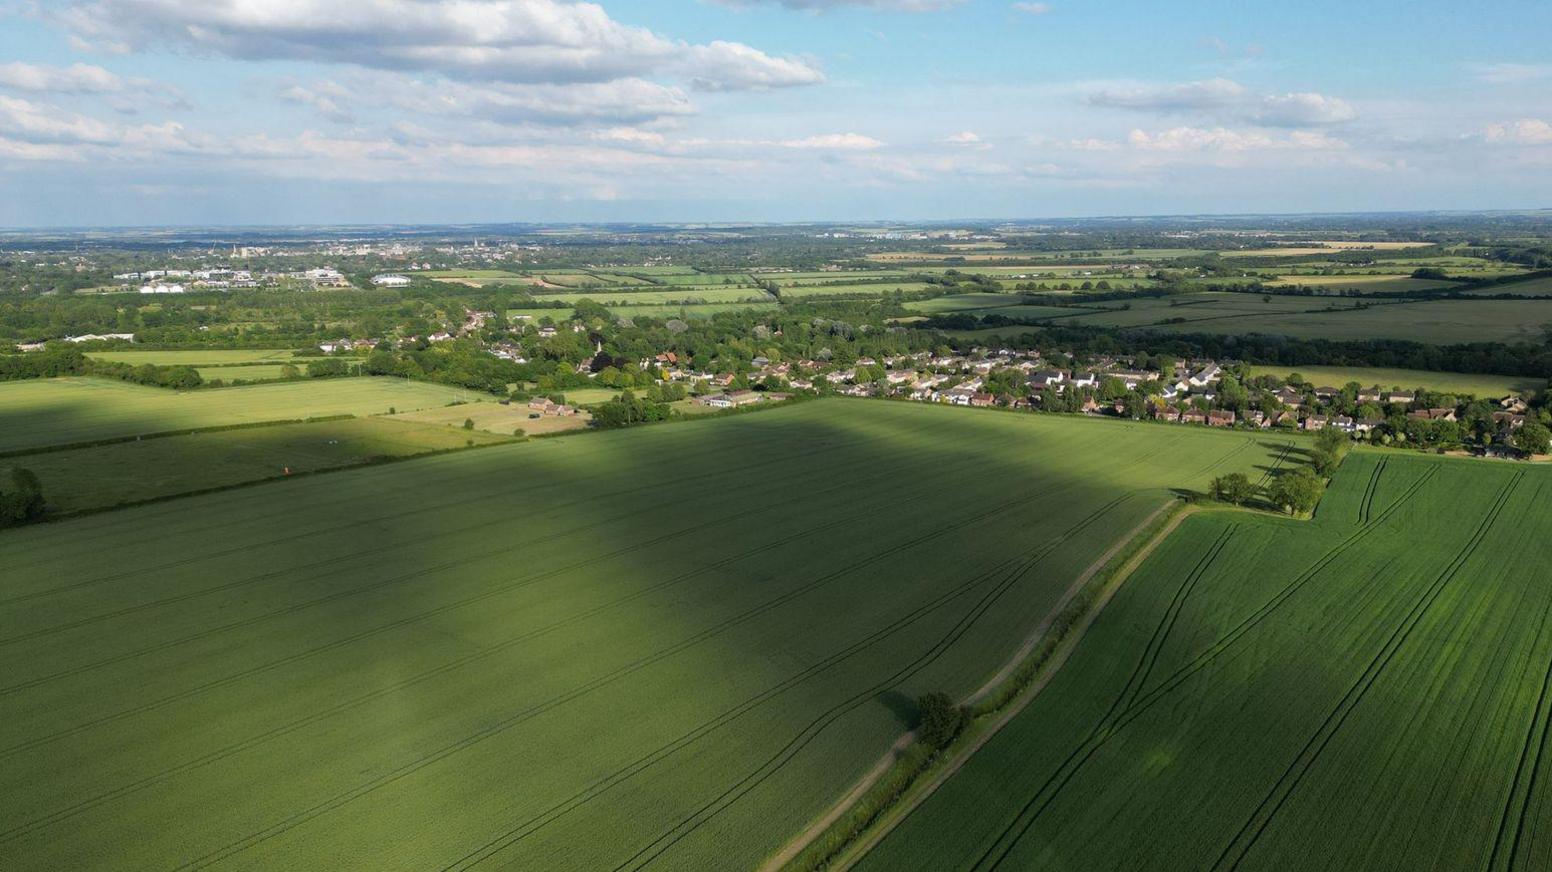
(23, 501)
(468, 423)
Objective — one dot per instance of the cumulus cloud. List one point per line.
(1226, 99)
(622, 101)
(1302, 110)
(840, 141)
(967, 139)
(1222, 139)
(1184, 97)
(530, 41)
(74, 79)
(1526, 131)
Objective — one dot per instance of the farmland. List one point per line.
(203, 356)
(716, 294)
(1482, 386)
(70, 410)
(123, 472)
(388, 659)
(861, 289)
(500, 419)
(1364, 284)
(1364, 691)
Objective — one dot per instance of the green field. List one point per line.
(64, 411)
(1531, 288)
(961, 302)
(396, 666)
(660, 297)
(1367, 691)
(1483, 386)
(200, 357)
(1365, 284)
(690, 310)
(1441, 322)
(805, 292)
(107, 475)
(251, 372)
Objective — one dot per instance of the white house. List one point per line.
(390, 280)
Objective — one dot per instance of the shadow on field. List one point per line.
(530, 621)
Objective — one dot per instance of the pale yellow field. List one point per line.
(496, 418)
(1325, 247)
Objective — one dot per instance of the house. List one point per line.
(1509, 419)
(1405, 398)
(1084, 380)
(982, 401)
(391, 280)
(101, 337)
(1315, 422)
(1167, 413)
(1193, 416)
(1257, 419)
(1220, 418)
(1206, 375)
(1047, 379)
(1326, 393)
(1289, 397)
(1432, 415)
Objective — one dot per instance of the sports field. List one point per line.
(1366, 691)
(63, 411)
(393, 666)
(1478, 385)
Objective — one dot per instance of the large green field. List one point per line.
(1366, 691)
(862, 289)
(124, 472)
(43, 412)
(397, 666)
(202, 357)
(670, 295)
(1478, 385)
(1441, 322)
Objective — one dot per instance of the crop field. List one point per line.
(1028, 312)
(656, 296)
(201, 357)
(478, 278)
(1541, 287)
(805, 292)
(391, 666)
(63, 411)
(107, 475)
(1366, 691)
(258, 372)
(1365, 284)
(960, 302)
(690, 310)
(697, 278)
(1440, 322)
(1460, 383)
(823, 276)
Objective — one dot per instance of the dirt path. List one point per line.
(813, 831)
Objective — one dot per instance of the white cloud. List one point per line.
(1526, 131)
(532, 41)
(1222, 139)
(967, 139)
(74, 79)
(1188, 96)
(1031, 8)
(1510, 73)
(1299, 110)
(841, 141)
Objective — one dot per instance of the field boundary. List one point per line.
(1018, 690)
(165, 434)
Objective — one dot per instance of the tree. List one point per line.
(1331, 447)
(1297, 492)
(23, 502)
(1532, 438)
(1234, 488)
(468, 423)
(940, 719)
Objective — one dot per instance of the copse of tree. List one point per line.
(42, 364)
(628, 410)
(1297, 492)
(23, 500)
(939, 719)
(1235, 488)
(1533, 438)
(1331, 448)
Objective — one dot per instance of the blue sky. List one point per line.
(138, 112)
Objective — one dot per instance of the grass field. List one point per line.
(1531, 288)
(60, 411)
(1483, 386)
(200, 357)
(690, 310)
(250, 372)
(1431, 321)
(108, 475)
(393, 666)
(496, 418)
(1365, 284)
(876, 289)
(1367, 691)
(661, 297)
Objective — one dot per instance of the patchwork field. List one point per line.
(496, 418)
(668, 295)
(861, 289)
(1483, 386)
(391, 666)
(43, 412)
(1531, 288)
(1365, 284)
(107, 475)
(1367, 691)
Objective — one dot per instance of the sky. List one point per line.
(226, 112)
